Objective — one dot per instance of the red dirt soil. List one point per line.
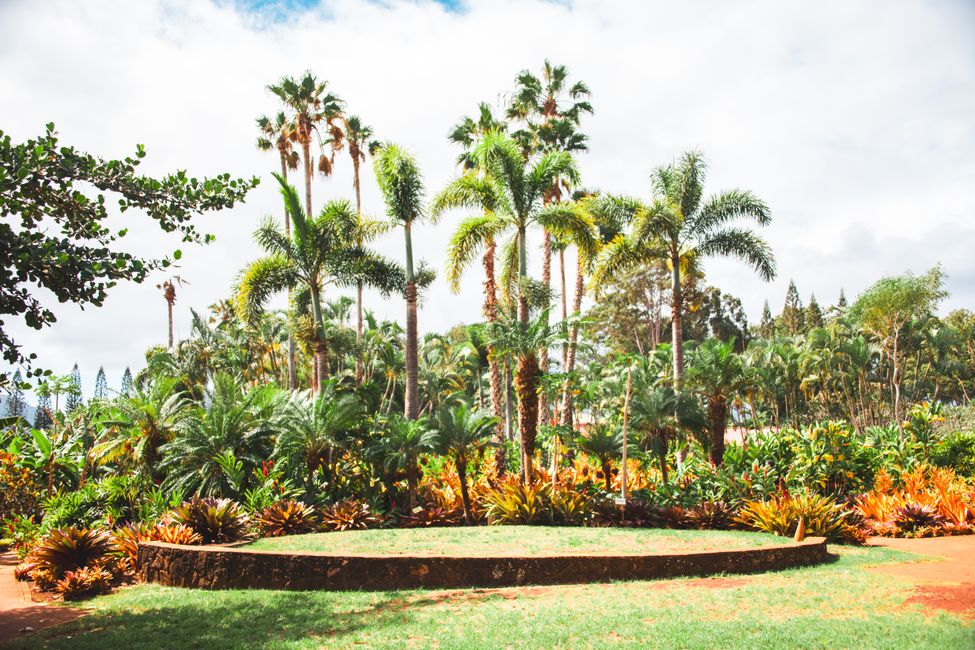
(947, 583)
(18, 613)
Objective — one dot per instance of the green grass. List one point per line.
(843, 604)
(515, 540)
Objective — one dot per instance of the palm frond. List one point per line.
(743, 244)
(467, 242)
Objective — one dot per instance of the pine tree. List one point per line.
(42, 417)
(101, 384)
(814, 314)
(16, 404)
(792, 319)
(766, 328)
(841, 304)
(126, 388)
(73, 399)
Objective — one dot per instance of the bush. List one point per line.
(514, 503)
(216, 521)
(286, 517)
(823, 517)
(68, 549)
(84, 583)
(957, 451)
(349, 515)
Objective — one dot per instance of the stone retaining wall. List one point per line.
(213, 567)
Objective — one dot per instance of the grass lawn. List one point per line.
(515, 540)
(843, 604)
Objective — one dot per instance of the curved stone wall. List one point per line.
(218, 567)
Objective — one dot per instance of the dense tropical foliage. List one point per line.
(844, 420)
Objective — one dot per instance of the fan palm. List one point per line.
(402, 187)
(461, 432)
(321, 251)
(314, 109)
(279, 134)
(683, 228)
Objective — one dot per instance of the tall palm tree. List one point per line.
(462, 432)
(468, 133)
(322, 251)
(314, 110)
(358, 136)
(718, 373)
(402, 187)
(551, 108)
(279, 134)
(682, 228)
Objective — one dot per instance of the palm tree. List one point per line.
(279, 134)
(314, 109)
(312, 428)
(402, 186)
(357, 135)
(682, 228)
(136, 427)
(603, 442)
(320, 252)
(718, 373)
(661, 416)
(461, 432)
(400, 446)
(551, 108)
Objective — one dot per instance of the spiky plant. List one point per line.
(711, 515)
(432, 517)
(349, 515)
(67, 549)
(216, 521)
(517, 503)
(917, 520)
(84, 583)
(286, 517)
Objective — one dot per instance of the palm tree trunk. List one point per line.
(676, 318)
(543, 352)
(358, 333)
(306, 153)
(321, 348)
(465, 496)
(526, 385)
(169, 306)
(717, 414)
(522, 274)
(570, 357)
(494, 371)
(412, 365)
(565, 311)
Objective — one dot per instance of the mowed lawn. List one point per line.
(844, 604)
(516, 541)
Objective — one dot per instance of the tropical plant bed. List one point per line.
(521, 541)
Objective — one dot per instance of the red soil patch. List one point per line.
(952, 561)
(18, 615)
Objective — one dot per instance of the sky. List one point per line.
(854, 121)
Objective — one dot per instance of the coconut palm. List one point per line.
(402, 187)
(718, 373)
(314, 110)
(279, 134)
(682, 228)
(321, 252)
(461, 432)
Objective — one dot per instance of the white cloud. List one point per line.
(852, 120)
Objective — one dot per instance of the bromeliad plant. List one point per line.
(287, 517)
(216, 521)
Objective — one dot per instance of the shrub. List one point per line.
(84, 583)
(956, 450)
(823, 517)
(286, 517)
(570, 506)
(514, 503)
(216, 521)
(349, 515)
(67, 549)
(19, 492)
(637, 513)
(711, 515)
(432, 516)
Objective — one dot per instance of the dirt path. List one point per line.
(18, 615)
(948, 582)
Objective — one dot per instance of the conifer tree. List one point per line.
(814, 314)
(792, 319)
(101, 384)
(126, 388)
(16, 404)
(841, 303)
(73, 399)
(42, 417)
(766, 328)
